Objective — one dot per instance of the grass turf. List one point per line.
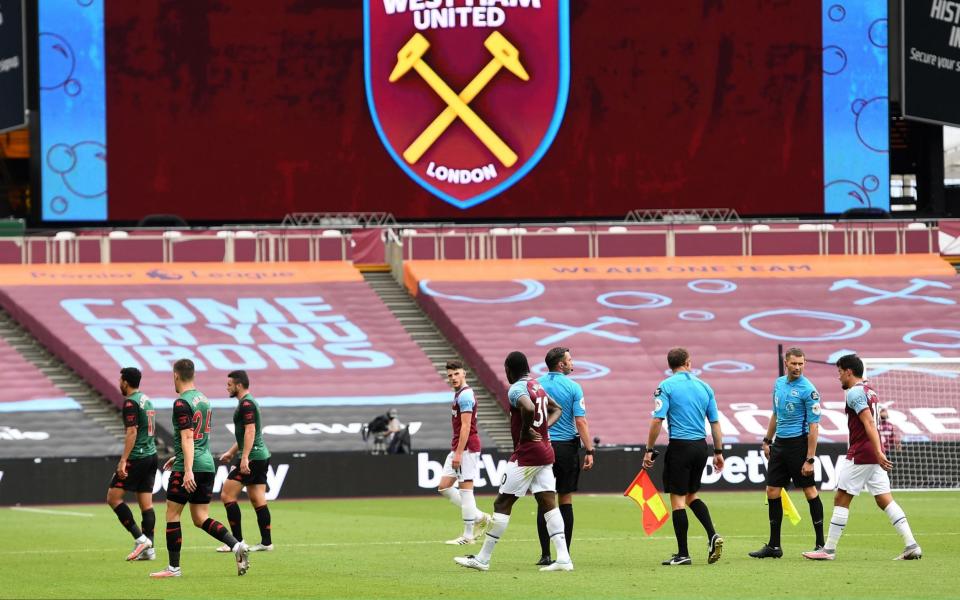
(392, 548)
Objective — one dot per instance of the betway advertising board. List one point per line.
(354, 474)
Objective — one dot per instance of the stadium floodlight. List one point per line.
(922, 398)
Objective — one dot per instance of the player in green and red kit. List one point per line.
(193, 471)
(137, 469)
(252, 469)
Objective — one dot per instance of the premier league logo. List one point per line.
(467, 95)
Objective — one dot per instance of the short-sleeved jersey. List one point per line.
(464, 402)
(246, 413)
(569, 395)
(796, 404)
(192, 411)
(859, 398)
(888, 436)
(685, 400)
(138, 412)
(528, 453)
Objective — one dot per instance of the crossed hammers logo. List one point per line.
(505, 55)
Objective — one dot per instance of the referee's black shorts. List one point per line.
(683, 466)
(787, 456)
(566, 465)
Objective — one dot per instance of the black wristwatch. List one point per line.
(811, 460)
(591, 452)
(718, 450)
(767, 441)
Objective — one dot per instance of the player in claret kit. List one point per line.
(865, 466)
(532, 412)
(193, 471)
(463, 462)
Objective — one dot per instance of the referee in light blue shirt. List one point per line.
(685, 402)
(795, 422)
(565, 436)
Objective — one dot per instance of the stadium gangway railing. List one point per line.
(477, 242)
(598, 240)
(248, 245)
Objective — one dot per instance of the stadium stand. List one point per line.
(323, 352)
(37, 420)
(619, 317)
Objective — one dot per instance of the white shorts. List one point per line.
(517, 480)
(469, 467)
(852, 478)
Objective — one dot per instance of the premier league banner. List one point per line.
(466, 96)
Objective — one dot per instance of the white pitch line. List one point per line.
(43, 511)
(210, 547)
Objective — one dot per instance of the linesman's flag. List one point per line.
(647, 497)
(789, 509)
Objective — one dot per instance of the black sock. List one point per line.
(699, 508)
(263, 520)
(680, 529)
(775, 511)
(217, 530)
(542, 532)
(233, 518)
(148, 522)
(126, 519)
(816, 515)
(566, 511)
(174, 541)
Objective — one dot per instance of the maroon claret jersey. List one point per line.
(859, 398)
(525, 452)
(464, 402)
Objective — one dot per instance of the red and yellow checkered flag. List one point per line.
(647, 497)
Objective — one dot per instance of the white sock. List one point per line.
(452, 494)
(837, 522)
(468, 510)
(555, 529)
(899, 521)
(500, 522)
(142, 539)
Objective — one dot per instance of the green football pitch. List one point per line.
(393, 548)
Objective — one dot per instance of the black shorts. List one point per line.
(566, 465)
(787, 456)
(141, 475)
(683, 466)
(257, 476)
(202, 495)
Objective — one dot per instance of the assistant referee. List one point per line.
(685, 401)
(795, 422)
(565, 436)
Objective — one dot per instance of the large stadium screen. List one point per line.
(12, 66)
(929, 71)
(602, 108)
(73, 111)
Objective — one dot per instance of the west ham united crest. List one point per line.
(467, 95)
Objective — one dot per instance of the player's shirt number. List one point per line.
(539, 410)
(198, 424)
